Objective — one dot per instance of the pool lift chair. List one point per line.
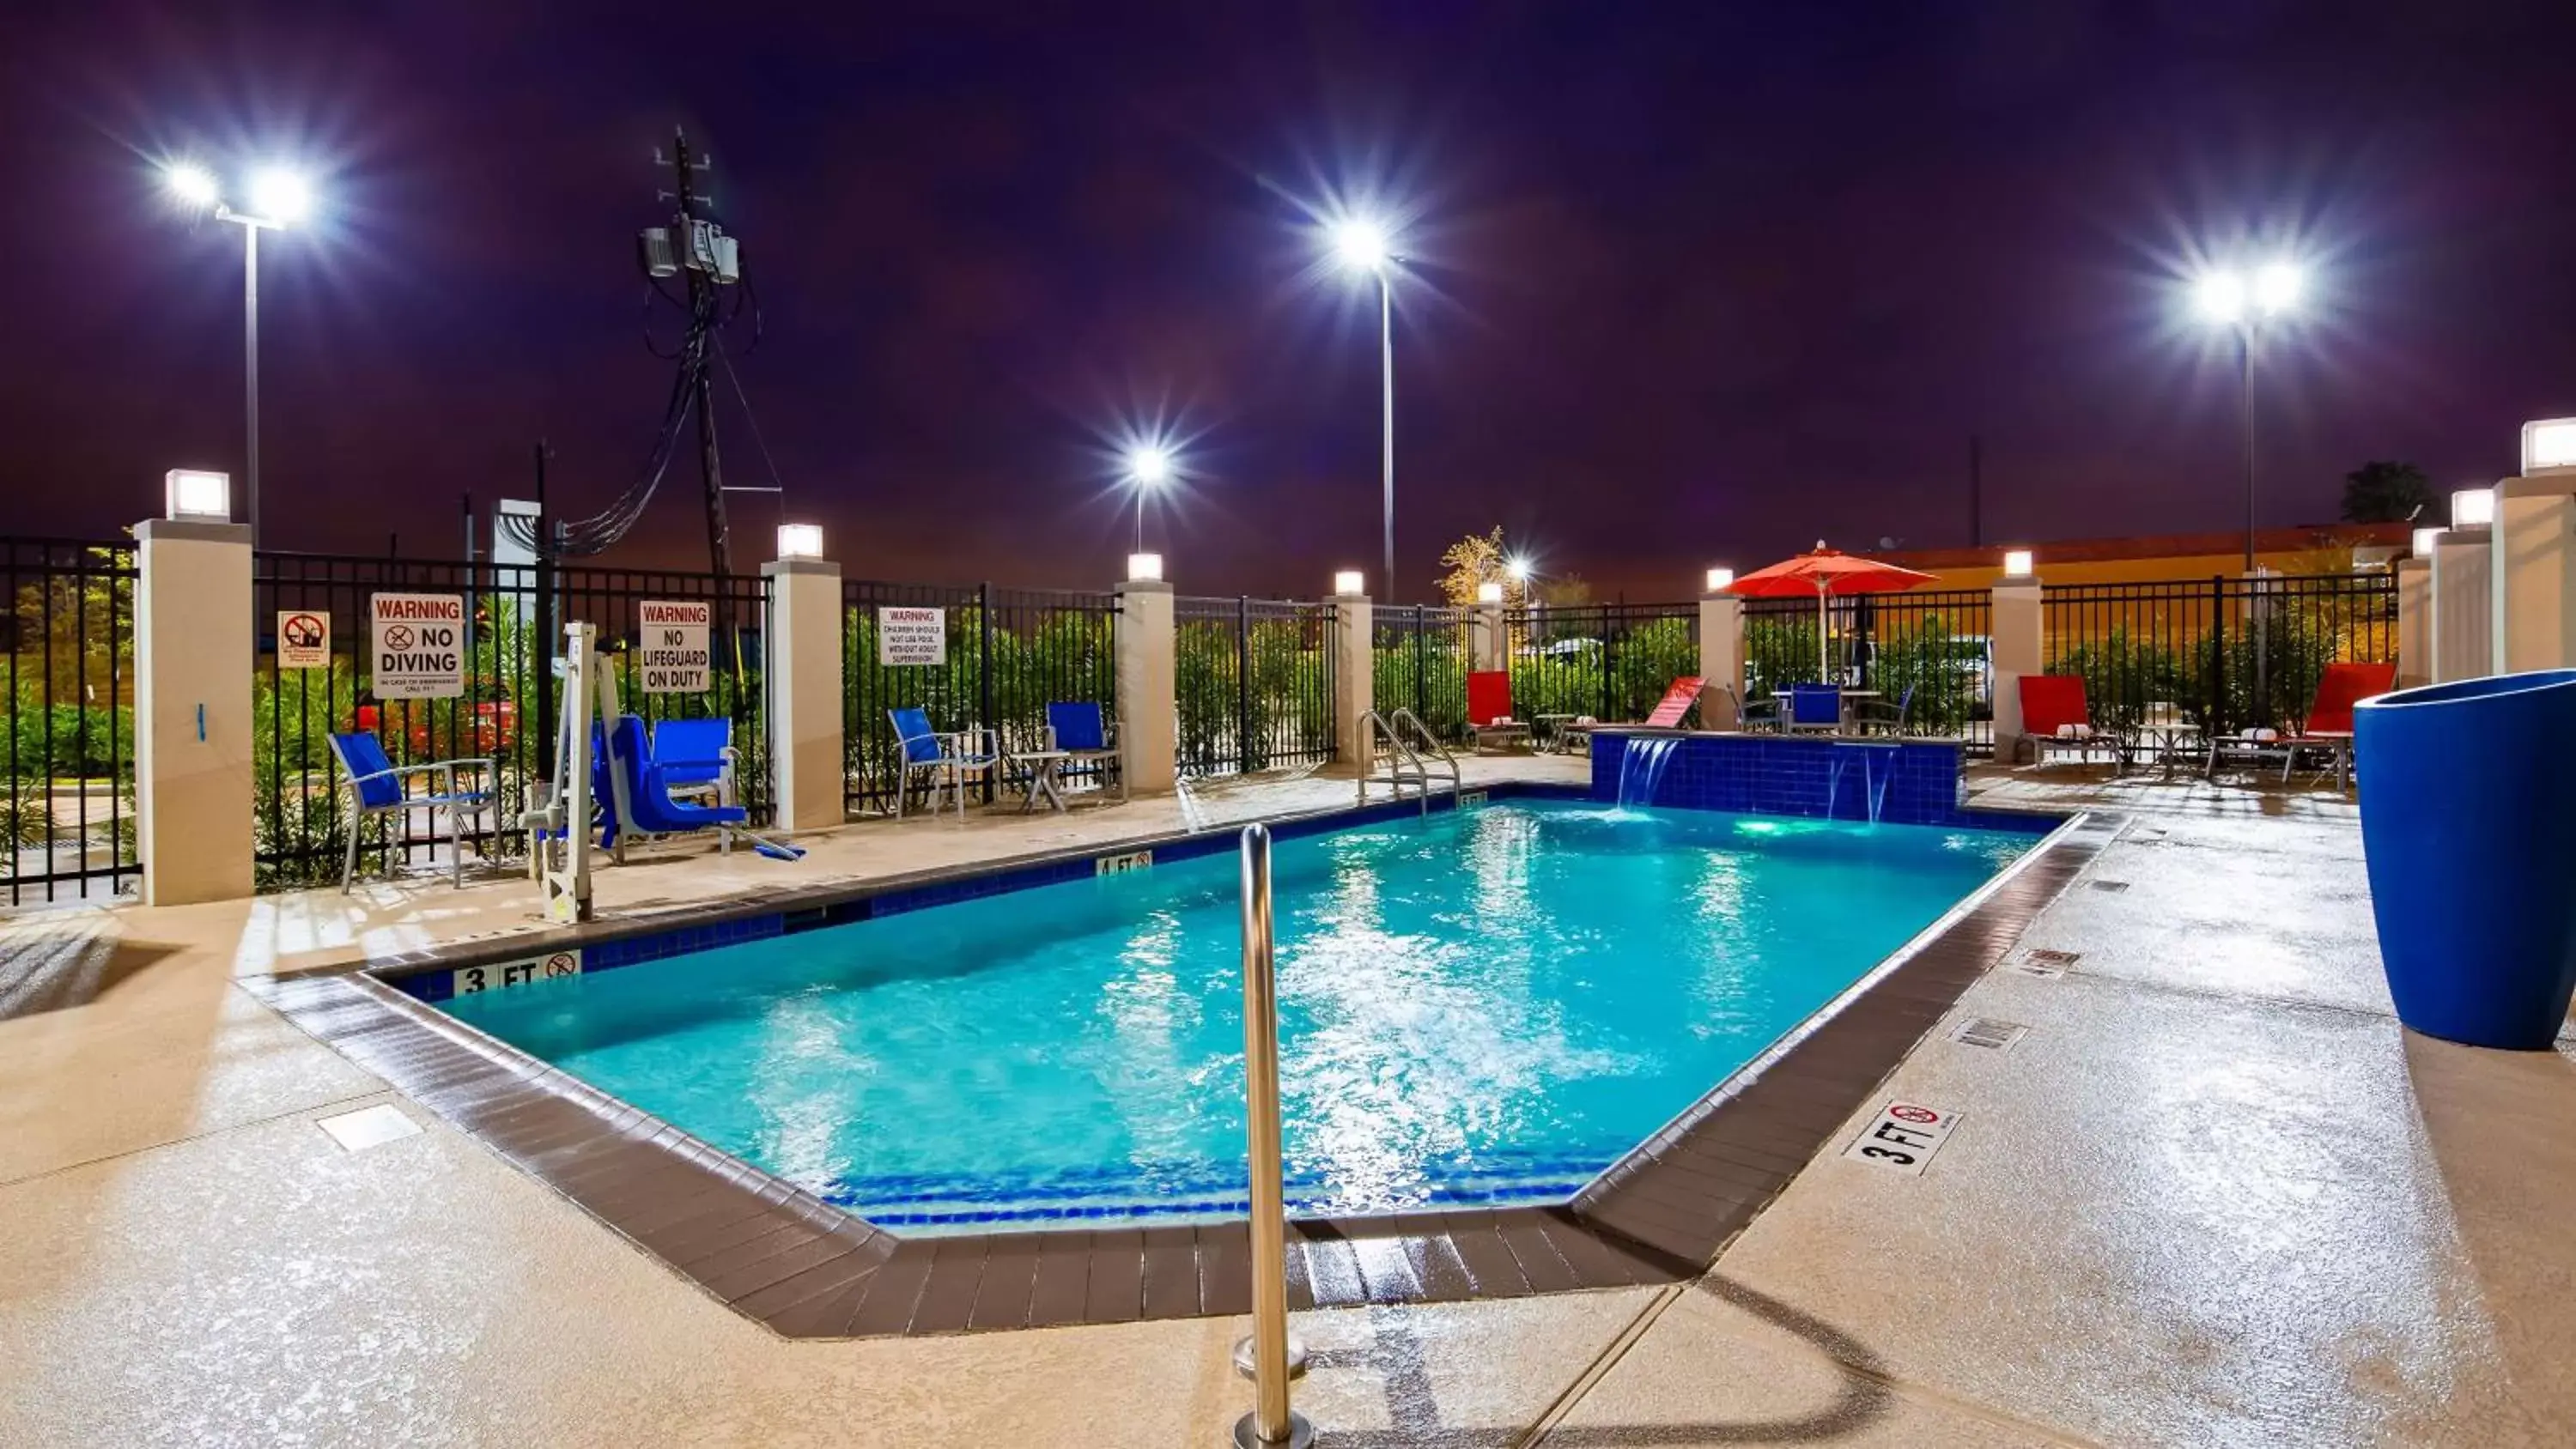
(604, 770)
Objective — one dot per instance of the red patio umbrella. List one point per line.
(1826, 572)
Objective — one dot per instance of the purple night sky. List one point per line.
(1691, 288)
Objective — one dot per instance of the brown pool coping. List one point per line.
(807, 1269)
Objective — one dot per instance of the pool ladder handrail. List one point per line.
(1405, 762)
(1270, 1357)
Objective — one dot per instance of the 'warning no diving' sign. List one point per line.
(674, 656)
(420, 645)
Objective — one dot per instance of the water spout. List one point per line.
(1641, 770)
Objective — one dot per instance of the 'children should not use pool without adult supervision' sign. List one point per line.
(674, 657)
(419, 645)
(911, 635)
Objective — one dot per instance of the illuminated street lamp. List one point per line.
(1360, 244)
(2245, 301)
(1149, 466)
(280, 199)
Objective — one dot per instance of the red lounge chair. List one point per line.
(2328, 726)
(2054, 714)
(1677, 702)
(1489, 711)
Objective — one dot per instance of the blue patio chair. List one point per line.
(696, 755)
(946, 758)
(1815, 707)
(376, 788)
(1758, 712)
(1088, 738)
(1868, 714)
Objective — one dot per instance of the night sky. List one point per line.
(1690, 284)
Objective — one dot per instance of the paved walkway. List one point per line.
(2212, 1195)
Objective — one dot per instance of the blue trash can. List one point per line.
(2468, 820)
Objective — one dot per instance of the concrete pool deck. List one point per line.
(2212, 1195)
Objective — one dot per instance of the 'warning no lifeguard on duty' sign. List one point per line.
(420, 645)
(674, 656)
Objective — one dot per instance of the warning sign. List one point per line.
(673, 655)
(501, 975)
(912, 636)
(420, 645)
(303, 639)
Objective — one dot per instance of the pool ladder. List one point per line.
(1270, 1358)
(1409, 751)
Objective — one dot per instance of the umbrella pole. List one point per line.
(1824, 625)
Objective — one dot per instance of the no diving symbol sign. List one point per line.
(1903, 1136)
(420, 645)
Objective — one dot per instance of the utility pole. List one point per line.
(1976, 492)
(694, 238)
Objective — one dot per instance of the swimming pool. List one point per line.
(1481, 1006)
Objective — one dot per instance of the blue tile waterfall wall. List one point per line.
(1791, 775)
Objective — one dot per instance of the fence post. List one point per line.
(1354, 678)
(802, 673)
(1148, 708)
(193, 704)
(2463, 603)
(1721, 645)
(2535, 572)
(2019, 649)
(984, 679)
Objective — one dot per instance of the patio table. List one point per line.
(1045, 767)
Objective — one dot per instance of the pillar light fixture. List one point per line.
(1144, 568)
(1489, 593)
(800, 540)
(199, 494)
(1720, 580)
(2548, 443)
(2425, 538)
(2473, 508)
(1350, 581)
(2017, 563)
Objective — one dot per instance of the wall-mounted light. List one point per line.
(2549, 443)
(1143, 568)
(2017, 563)
(1720, 580)
(1489, 593)
(2425, 538)
(800, 540)
(2473, 508)
(1350, 581)
(197, 493)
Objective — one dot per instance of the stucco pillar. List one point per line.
(192, 711)
(2463, 624)
(2019, 650)
(2414, 622)
(2532, 573)
(1149, 720)
(1721, 652)
(807, 765)
(1487, 650)
(1354, 678)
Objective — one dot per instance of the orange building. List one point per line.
(2320, 549)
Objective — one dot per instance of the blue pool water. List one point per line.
(1489, 1005)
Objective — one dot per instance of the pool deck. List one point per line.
(2213, 1194)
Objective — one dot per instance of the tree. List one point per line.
(1565, 591)
(2385, 492)
(1477, 560)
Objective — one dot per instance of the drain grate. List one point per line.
(2110, 885)
(1986, 1031)
(2049, 956)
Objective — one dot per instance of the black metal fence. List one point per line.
(1003, 655)
(1930, 651)
(514, 620)
(67, 765)
(2168, 661)
(1254, 682)
(1420, 658)
(1612, 662)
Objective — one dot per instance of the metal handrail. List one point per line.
(1402, 758)
(1403, 717)
(1271, 1424)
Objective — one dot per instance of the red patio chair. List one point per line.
(2328, 726)
(1489, 711)
(2054, 714)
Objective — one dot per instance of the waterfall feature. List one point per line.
(1641, 770)
(1873, 785)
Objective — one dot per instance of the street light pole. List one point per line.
(250, 368)
(2245, 382)
(2243, 301)
(1386, 368)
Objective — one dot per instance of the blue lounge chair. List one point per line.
(696, 755)
(648, 808)
(945, 758)
(1815, 707)
(1082, 730)
(376, 788)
